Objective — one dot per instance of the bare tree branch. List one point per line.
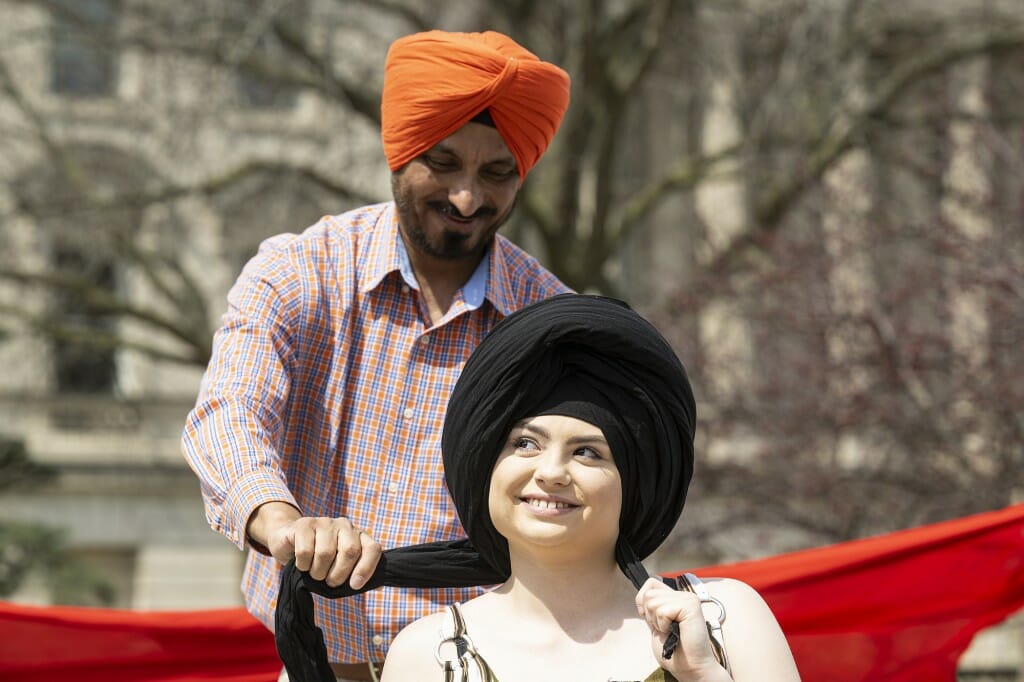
(101, 302)
(359, 99)
(207, 186)
(415, 19)
(844, 134)
(94, 338)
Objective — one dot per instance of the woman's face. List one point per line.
(555, 484)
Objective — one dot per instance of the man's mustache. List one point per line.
(446, 207)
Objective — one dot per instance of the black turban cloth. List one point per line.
(588, 357)
(612, 359)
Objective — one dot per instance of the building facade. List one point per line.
(140, 179)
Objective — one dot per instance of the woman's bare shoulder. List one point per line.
(732, 589)
(754, 640)
(744, 606)
(411, 654)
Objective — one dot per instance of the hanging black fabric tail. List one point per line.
(638, 575)
(300, 643)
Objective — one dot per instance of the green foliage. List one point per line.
(26, 548)
(73, 582)
(16, 468)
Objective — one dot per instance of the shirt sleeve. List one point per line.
(233, 436)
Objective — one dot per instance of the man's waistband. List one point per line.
(357, 672)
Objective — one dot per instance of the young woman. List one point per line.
(568, 450)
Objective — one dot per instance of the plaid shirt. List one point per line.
(327, 389)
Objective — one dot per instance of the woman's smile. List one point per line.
(555, 484)
(548, 506)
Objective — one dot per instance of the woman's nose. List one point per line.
(552, 468)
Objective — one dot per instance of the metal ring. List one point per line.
(463, 638)
(720, 605)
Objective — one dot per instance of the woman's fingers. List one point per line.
(661, 606)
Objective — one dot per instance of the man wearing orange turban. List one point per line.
(316, 434)
(436, 82)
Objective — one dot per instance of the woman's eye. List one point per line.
(588, 453)
(524, 444)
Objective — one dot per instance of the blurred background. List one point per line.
(820, 203)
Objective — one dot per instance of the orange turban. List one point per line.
(435, 82)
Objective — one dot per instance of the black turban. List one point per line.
(615, 359)
(588, 357)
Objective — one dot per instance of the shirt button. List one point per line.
(393, 488)
(408, 413)
(422, 340)
(405, 288)
(378, 640)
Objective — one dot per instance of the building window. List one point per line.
(84, 360)
(83, 61)
(88, 248)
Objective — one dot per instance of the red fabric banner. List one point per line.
(899, 607)
(46, 644)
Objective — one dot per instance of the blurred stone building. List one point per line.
(155, 123)
(109, 418)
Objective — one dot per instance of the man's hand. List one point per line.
(329, 549)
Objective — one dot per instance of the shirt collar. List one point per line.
(404, 264)
(382, 257)
(497, 287)
(387, 254)
(473, 291)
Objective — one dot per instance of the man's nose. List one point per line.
(466, 195)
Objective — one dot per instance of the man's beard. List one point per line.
(453, 245)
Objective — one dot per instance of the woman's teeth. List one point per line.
(548, 504)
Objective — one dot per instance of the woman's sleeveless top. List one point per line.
(470, 666)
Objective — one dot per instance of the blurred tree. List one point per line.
(801, 99)
(572, 206)
(730, 123)
(30, 548)
(878, 384)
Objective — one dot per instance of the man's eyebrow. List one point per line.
(445, 149)
(507, 160)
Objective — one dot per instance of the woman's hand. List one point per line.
(693, 659)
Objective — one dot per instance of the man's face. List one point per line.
(453, 198)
